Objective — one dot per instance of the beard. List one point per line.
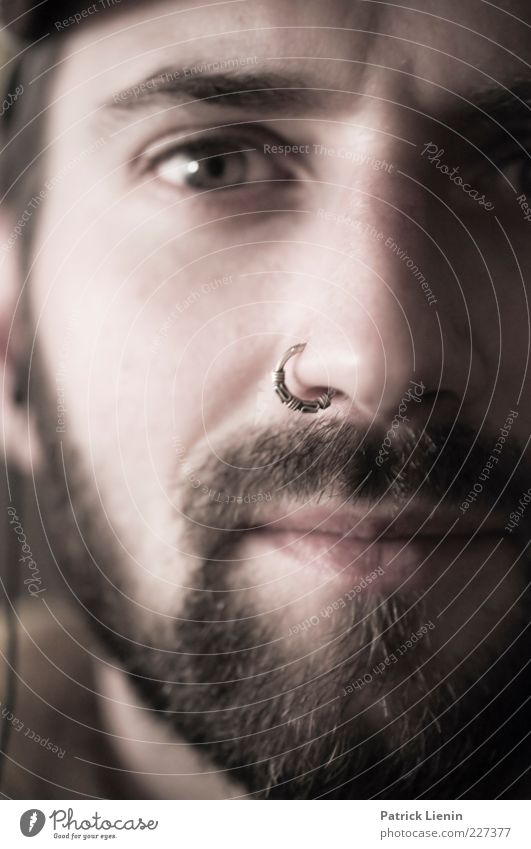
(364, 705)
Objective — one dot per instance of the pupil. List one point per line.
(216, 166)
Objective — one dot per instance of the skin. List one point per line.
(164, 309)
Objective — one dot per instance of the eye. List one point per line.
(518, 173)
(214, 165)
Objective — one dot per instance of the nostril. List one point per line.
(292, 401)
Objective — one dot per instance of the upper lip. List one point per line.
(378, 522)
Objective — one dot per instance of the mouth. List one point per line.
(415, 545)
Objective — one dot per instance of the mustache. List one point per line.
(233, 489)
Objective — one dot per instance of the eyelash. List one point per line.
(210, 148)
(521, 164)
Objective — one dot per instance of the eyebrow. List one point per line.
(273, 93)
(240, 90)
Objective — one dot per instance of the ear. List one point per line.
(19, 442)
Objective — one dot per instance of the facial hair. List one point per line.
(288, 725)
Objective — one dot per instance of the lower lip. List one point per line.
(353, 559)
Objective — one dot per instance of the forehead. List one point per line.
(360, 43)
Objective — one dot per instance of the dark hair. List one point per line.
(30, 20)
(23, 127)
(22, 144)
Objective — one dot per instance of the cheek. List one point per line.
(94, 335)
(128, 354)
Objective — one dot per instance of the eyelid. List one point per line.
(501, 156)
(239, 135)
(200, 147)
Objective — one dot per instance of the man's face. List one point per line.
(308, 596)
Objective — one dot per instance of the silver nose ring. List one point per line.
(300, 405)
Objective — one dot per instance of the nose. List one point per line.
(377, 310)
(366, 347)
